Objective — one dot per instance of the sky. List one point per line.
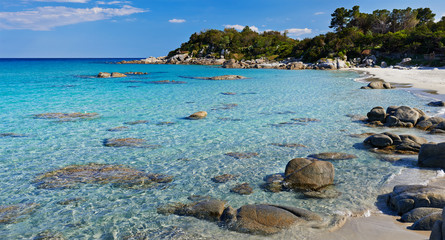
(143, 28)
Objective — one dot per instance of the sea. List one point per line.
(254, 118)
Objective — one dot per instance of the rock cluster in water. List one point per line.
(260, 219)
(95, 173)
(110, 75)
(390, 143)
(222, 77)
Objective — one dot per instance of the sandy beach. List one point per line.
(430, 79)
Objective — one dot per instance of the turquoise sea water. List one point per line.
(191, 151)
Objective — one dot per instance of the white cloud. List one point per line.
(112, 2)
(295, 32)
(319, 13)
(67, 1)
(241, 27)
(46, 18)
(174, 20)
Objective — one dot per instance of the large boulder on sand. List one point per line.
(404, 198)
(269, 219)
(432, 155)
(418, 213)
(307, 174)
(427, 222)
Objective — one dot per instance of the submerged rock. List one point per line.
(49, 235)
(228, 93)
(137, 122)
(11, 134)
(305, 120)
(274, 182)
(95, 173)
(136, 73)
(67, 116)
(117, 129)
(333, 156)
(128, 142)
(288, 145)
(168, 82)
(243, 189)
(223, 77)
(210, 210)
(307, 174)
(15, 213)
(324, 193)
(224, 178)
(241, 155)
(198, 115)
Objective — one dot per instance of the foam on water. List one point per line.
(192, 151)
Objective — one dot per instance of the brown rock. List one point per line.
(243, 189)
(308, 174)
(198, 115)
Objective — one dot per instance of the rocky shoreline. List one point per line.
(263, 63)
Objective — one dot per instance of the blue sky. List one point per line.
(142, 28)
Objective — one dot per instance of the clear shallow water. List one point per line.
(192, 151)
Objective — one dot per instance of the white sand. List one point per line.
(431, 79)
(381, 227)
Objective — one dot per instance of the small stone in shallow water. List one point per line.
(333, 156)
(243, 189)
(95, 173)
(228, 93)
(240, 155)
(15, 213)
(117, 129)
(437, 104)
(325, 193)
(128, 142)
(224, 178)
(288, 145)
(137, 122)
(361, 135)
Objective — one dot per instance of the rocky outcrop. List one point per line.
(198, 115)
(136, 73)
(308, 174)
(396, 116)
(390, 143)
(94, 173)
(104, 75)
(405, 198)
(117, 75)
(262, 219)
(426, 223)
(332, 156)
(432, 155)
(418, 213)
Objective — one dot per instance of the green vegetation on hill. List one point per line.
(390, 35)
